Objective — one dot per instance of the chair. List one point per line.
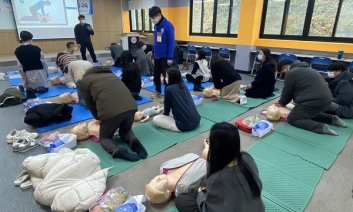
(350, 66)
(256, 62)
(291, 57)
(224, 53)
(208, 51)
(191, 52)
(320, 64)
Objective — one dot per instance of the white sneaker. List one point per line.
(16, 135)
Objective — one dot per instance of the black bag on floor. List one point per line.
(45, 114)
(11, 97)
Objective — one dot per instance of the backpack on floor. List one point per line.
(11, 97)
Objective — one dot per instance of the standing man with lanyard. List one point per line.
(83, 34)
(163, 49)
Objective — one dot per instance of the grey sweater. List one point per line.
(305, 86)
(228, 190)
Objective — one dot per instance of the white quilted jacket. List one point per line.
(68, 180)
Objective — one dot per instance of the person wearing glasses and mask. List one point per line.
(163, 50)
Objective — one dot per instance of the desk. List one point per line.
(212, 47)
(348, 60)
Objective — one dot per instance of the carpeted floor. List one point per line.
(333, 193)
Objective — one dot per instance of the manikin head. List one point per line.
(54, 80)
(71, 46)
(207, 92)
(81, 131)
(65, 98)
(82, 19)
(157, 190)
(155, 14)
(138, 116)
(109, 63)
(93, 128)
(272, 113)
(335, 69)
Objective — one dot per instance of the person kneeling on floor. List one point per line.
(131, 74)
(73, 70)
(264, 82)
(32, 64)
(226, 78)
(200, 72)
(100, 87)
(311, 95)
(179, 100)
(233, 182)
(340, 83)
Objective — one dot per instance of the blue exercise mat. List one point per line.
(115, 69)
(79, 114)
(18, 81)
(189, 85)
(144, 100)
(55, 91)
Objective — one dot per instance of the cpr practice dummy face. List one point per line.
(157, 190)
(210, 91)
(93, 128)
(273, 113)
(67, 98)
(56, 80)
(109, 63)
(282, 112)
(81, 131)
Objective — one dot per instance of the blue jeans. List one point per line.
(81, 100)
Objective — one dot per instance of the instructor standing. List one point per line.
(163, 49)
(83, 34)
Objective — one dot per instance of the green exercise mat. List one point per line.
(333, 144)
(173, 209)
(286, 163)
(252, 102)
(154, 139)
(303, 149)
(284, 190)
(220, 110)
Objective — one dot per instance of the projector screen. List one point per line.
(51, 19)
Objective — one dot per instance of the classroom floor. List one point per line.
(333, 193)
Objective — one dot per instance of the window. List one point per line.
(214, 17)
(140, 21)
(317, 20)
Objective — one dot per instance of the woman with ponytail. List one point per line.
(233, 182)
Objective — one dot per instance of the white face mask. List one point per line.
(166, 80)
(197, 56)
(144, 47)
(83, 21)
(155, 21)
(330, 74)
(259, 57)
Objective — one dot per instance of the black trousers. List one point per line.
(310, 118)
(186, 203)
(160, 67)
(89, 46)
(123, 122)
(196, 81)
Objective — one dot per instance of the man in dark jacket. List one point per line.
(83, 32)
(115, 51)
(311, 95)
(111, 103)
(341, 85)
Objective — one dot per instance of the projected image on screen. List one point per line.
(41, 12)
(46, 19)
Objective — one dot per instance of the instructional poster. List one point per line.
(85, 7)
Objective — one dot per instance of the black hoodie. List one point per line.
(305, 86)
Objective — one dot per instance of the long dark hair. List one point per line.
(216, 58)
(174, 77)
(268, 58)
(224, 148)
(202, 54)
(126, 58)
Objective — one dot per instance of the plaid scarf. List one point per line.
(64, 60)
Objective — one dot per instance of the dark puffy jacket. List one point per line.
(342, 91)
(45, 114)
